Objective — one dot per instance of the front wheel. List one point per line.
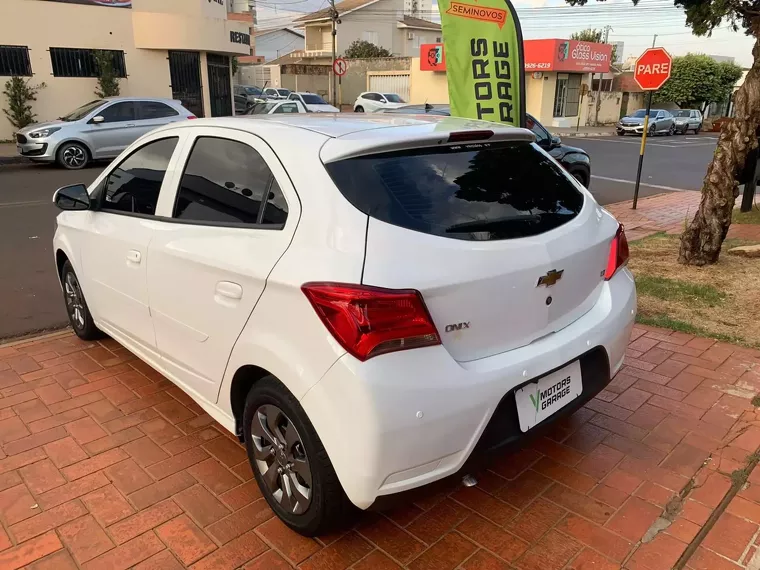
(76, 306)
(652, 130)
(359, 109)
(696, 131)
(671, 130)
(72, 156)
(290, 463)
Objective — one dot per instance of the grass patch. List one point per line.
(717, 301)
(677, 290)
(751, 217)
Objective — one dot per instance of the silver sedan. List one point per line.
(100, 129)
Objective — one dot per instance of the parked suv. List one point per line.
(660, 122)
(372, 101)
(101, 129)
(575, 160)
(688, 120)
(366, 301)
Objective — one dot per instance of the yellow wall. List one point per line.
(427, 86)
(57, 24)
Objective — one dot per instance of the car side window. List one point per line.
(228, 182)
(119, 112)
(155, 110)
(543, 138)
(287, 108)
(134, 185)
(293, 97)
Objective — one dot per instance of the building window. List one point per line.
(72, 62)
(14, 60)
(372, 37)
(567, 95)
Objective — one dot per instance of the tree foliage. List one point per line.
(698, 80)
(108, 82)
(361, 49)
(20, 95)
(593, 35)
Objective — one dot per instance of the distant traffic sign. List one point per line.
(340, 66)
(652, 69)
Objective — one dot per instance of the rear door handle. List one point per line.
(134, 256)
(229, 290)
(131, 125)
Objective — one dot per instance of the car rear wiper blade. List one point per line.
(485, 225)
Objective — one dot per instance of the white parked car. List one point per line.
(314, 103)
(372, 101)
(276, 93)
(367, 302)
(276, 107)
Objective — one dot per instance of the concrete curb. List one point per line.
(583, 135)
(8, 160)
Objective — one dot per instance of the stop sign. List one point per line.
(652, 69)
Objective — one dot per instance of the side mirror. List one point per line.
(97, 120)
(74, 197)
(556, 141)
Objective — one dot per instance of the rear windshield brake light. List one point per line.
(467, 136)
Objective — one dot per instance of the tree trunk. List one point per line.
(702, 239)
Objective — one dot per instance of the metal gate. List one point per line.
(385, 82)
(185, 71)
(219, 85)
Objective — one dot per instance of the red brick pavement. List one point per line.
(105, 464)
(669, 213)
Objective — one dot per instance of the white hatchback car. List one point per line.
(366, 302)
(372, 101)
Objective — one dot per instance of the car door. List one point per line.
(115, 254)
(233, 217)
(116, 132)
(153, 114)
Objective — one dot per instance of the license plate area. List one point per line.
(538, 400)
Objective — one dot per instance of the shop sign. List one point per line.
(240, 38)
(484, 60)
(111, 3)
(432, 57)
(567, 55)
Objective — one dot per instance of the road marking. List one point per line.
(659, 187)
(668, 144)
(22, 204)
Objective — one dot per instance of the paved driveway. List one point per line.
(105, 464)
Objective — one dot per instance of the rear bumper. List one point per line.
(409, 418)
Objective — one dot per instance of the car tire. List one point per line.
(652, 130)
(72, 156)
(76, 305)
(359, 109)
(620, 133)
(696, 131)
(671, 130)
(581, 176)
(326, 508)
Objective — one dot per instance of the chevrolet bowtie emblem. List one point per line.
(550, 278)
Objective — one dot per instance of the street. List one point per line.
(31, 295)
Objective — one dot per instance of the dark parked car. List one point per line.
(575, 160)
(660, 122)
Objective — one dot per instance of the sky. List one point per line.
(633, 25)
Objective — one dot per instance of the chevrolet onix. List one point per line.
(366, 302)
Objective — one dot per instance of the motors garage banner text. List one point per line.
(484, 60)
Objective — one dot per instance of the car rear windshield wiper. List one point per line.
(498, 223)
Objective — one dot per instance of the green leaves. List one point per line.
(108, 82)
(19, 95)
(363, 49)
(698, 79)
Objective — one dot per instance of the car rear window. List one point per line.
(476, 192)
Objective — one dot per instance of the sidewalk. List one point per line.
(106, 464)
(582, 132)
(8, 155)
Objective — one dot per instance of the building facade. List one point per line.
(178, 49)
(384, 23)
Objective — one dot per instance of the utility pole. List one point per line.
(334, 20)
(597, 99)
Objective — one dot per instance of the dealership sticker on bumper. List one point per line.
(539, 400)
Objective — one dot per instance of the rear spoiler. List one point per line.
(410, 137)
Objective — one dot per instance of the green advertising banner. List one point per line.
(484, 60)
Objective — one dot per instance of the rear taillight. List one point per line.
(191, 117)
(618, 253)
(368, 321)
